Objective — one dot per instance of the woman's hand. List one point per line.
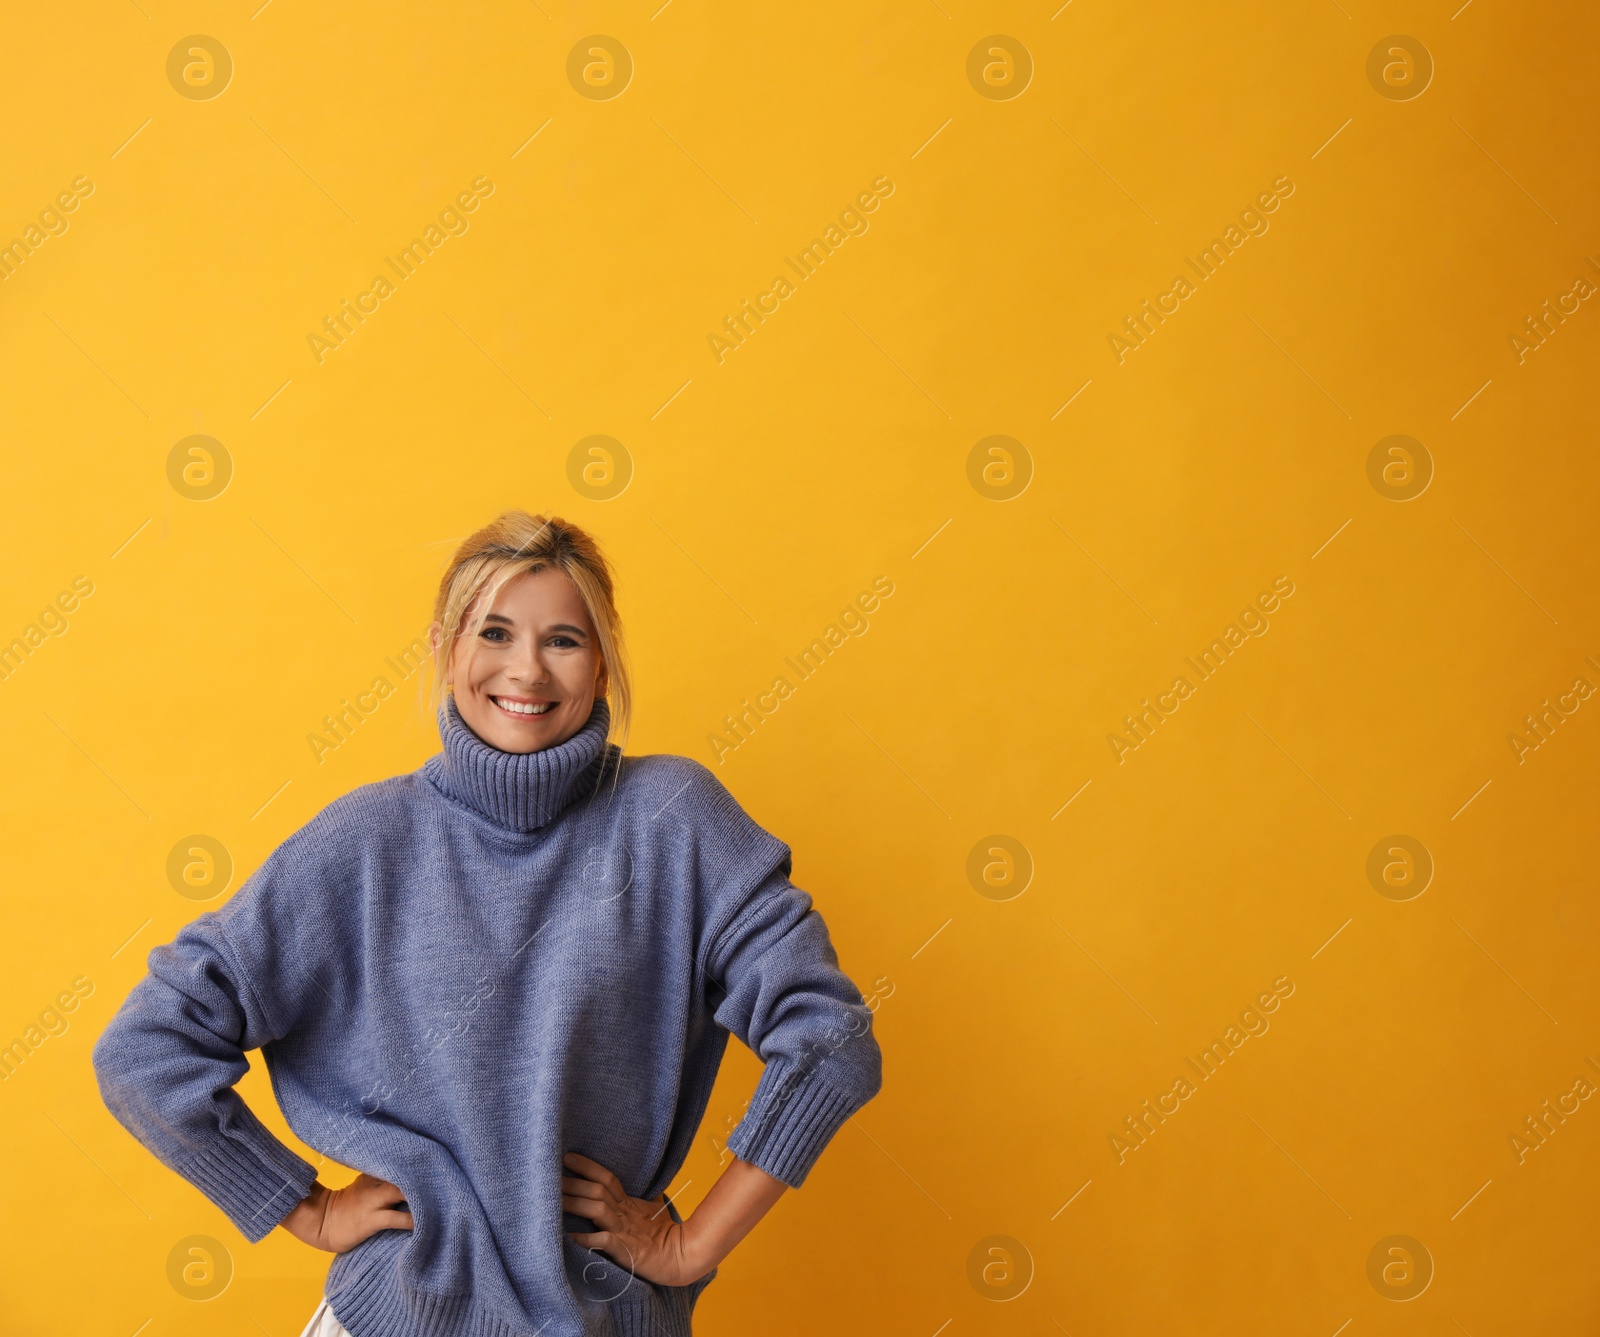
(635, 1233)
(338, 1219)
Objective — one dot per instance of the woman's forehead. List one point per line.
(544, 595)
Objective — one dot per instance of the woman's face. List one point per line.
(530, 678)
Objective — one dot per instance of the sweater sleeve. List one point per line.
(779, 988)
(168, 1061)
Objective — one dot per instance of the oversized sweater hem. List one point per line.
(370, 1300)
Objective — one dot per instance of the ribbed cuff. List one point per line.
(257, 1182)
(792, 1117)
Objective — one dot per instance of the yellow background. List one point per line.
(768, 490)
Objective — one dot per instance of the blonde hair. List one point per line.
(509, 546)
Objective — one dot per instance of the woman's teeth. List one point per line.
(522, 708)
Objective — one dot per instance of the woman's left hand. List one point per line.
(636, 1233)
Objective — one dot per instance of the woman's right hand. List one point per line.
(338, 1219)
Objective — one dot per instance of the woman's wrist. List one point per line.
(697, 1253)
(305, 1218)
(338, 1219)
(741, 1196)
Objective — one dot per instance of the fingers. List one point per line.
(597, 1210)
(391, 1220)
(592, 1169)
(370, 1190)
(608, 1243)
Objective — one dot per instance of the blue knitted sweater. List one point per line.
(457, 975)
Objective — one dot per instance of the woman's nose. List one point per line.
(528, 668)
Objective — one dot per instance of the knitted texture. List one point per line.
(458, 975)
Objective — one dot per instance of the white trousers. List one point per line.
(324, 1324)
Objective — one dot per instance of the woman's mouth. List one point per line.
(523, 709)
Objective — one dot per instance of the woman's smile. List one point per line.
(523, 706)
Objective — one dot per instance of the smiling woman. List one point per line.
(501, 988)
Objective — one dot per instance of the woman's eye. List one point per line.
(493, 633)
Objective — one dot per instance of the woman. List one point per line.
(500, 987)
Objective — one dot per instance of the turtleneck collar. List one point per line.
(521, 791)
